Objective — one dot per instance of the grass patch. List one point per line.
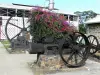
(6, 43)
(7, 46)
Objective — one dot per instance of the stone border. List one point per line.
(40, 71)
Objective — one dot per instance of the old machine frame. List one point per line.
(73, 49)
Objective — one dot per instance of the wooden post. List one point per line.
(0, 26)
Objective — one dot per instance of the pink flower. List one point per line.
(57, 23)
(65, 23)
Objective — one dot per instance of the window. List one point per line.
(27, 13)
(3, 12)
(0, 21)
(20, 13)
(66, 16)
(75, 18)
(71, 17)
(11, 12)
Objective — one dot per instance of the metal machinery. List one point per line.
(74, 49)
(19, 40)
(94, 44)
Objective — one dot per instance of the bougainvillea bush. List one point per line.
(44, 23)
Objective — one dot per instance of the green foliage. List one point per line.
(86, 14)
(82, 28)
(6, 43)
(47, 24)
(38, 30)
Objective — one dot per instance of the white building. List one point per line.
(7, 10)
(93, 26)
(71, 18)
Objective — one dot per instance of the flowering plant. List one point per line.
(45, 23)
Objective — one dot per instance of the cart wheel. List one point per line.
(16, 26)
(93, 44)
(77, 53)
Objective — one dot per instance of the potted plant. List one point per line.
(44, 23)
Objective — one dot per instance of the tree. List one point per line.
(85, 15)
(82, 28)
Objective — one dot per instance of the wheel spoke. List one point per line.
(23, 20)
(89, 40)
(70, 57)
(16, 35)
(81, 55)
(93, 50)
(75, 57)
(92, 41)
(80, 40)
(28, 26)
(15, 25)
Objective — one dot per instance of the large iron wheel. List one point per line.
(77, 52)
(93, 44)
(16, 26)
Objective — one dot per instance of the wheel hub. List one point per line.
(24, 29)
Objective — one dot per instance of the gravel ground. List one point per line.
(91, 68)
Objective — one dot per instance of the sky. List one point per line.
(66, 5)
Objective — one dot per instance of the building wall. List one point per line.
(94, 29)
(8, 10)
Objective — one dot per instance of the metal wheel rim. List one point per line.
(8, 22)
(73, 53)
(93, 47)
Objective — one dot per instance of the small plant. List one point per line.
(82, 28)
